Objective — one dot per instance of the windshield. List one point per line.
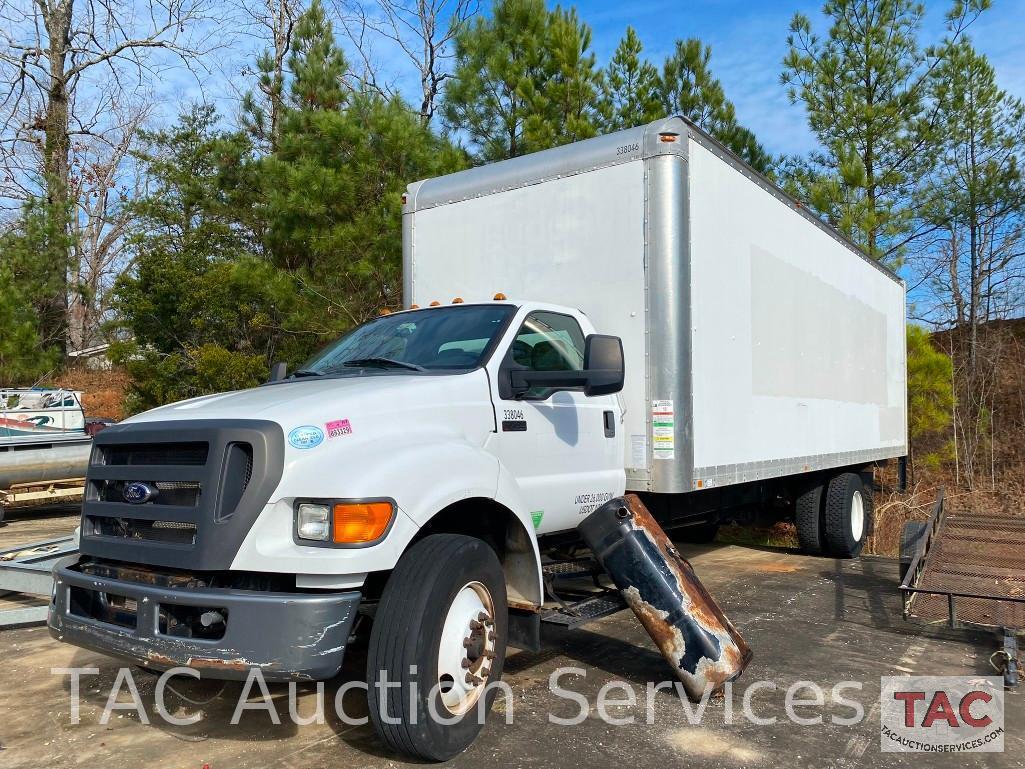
(440, 338)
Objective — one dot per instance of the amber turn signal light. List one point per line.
(356, 522)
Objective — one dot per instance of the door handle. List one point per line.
(610, 424)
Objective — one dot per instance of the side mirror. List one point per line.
(604, 364)
(278, 371)
(603, 374)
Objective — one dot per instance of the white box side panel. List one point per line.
(576, 241)
(798, 343)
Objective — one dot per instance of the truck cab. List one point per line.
(425, 448)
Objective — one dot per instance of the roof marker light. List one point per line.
(457, 300)
(435, 303)
(499, 297)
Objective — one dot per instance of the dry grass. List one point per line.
(104, 391)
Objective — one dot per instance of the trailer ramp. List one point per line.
(969, 570)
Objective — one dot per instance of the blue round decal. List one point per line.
(306, 437)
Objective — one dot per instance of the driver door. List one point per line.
(563, 448)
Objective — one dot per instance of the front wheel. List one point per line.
(437, 646)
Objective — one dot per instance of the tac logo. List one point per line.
(942, 714)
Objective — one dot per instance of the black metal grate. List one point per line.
(180, 493)
(190, 454)
(168, 532)
(977, 555)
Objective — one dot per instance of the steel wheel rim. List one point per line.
(857, 516)
(467, 649)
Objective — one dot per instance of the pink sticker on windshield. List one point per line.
(338, 427)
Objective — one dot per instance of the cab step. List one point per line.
(579, 592)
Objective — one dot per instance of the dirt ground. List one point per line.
(805, 618)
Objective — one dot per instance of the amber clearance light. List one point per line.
(356, 522)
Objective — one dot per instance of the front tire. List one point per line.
(441, 627)
(846, 513)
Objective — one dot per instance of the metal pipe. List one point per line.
(695, 637)
(36, 461)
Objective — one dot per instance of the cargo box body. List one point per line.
(759, 343)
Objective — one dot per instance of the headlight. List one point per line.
(343, 522)
(314, 522)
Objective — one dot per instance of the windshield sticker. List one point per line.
(663, 429)
(306, 437)
(338, 427)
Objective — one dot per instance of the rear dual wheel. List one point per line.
(832, 518)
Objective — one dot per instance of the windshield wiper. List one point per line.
(306, 372)
(383, 363)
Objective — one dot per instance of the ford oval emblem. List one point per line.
(306, 437)
(138, 493)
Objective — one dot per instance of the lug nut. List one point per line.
(475, 625)
(466, 662)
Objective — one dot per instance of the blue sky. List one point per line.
(747, 37)
(748, 40)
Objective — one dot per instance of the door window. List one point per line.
(548, 341)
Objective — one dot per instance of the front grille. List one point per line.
(189, 454)
(195, 487)
(168, 532)
(180, 493)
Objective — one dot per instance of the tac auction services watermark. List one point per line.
(941, 714)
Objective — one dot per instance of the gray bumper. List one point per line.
(289, 636)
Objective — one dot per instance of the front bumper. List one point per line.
(288, 636)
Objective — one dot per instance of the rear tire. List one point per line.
(808, 518)
(441, 625)
(912, 533)
(846, 512)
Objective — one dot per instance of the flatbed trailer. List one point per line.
(967, 569)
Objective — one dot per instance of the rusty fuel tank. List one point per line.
(697, 640)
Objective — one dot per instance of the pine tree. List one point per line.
(930, 396)
(327, 202)
(629, 86)
(976, 194)
(317, 65)
(686, 86)
(524, 80)
(863, 88)
(33, 282)
(563, 103)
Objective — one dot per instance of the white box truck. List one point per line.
(760, 344)
(671, 323)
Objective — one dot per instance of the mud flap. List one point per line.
(695, 637)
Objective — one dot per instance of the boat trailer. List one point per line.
(963, 569)
(28, 570)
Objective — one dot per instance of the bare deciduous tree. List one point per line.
(53, 52)
(103, 182)
(271, 21)
(422, 30)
